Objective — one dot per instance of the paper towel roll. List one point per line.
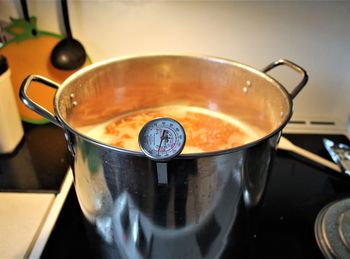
(11, 129)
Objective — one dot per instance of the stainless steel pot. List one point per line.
(195, 214)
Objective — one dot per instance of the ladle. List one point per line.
(26, 15)
(69, 53)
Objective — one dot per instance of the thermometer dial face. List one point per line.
(162, 139)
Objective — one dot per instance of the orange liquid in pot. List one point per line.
(205, 130)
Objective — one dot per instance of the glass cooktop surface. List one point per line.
(38, 164)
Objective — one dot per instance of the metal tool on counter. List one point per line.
(69, 53)
(340, 154)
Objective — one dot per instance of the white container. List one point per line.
(11, 129)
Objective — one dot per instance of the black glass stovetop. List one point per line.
(38, 164)
(297, 190)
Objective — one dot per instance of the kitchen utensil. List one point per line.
(171, 135)
(68, 54)
(340, 154)
(195, 210)
(285, 144)
(26, 15)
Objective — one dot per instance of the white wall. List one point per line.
(313, 34)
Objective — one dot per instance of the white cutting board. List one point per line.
(21, 218)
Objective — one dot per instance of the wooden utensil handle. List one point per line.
(285, 144)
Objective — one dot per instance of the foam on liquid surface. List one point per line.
(205, 130)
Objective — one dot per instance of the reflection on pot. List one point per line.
(256, 168)
(196, 210)
(194, 215)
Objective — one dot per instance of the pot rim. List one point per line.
(105, 62)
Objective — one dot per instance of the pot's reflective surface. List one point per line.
(108, 90)
(195, 214)
(135, 211)
(188, 207)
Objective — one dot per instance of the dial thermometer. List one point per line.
(162, 139)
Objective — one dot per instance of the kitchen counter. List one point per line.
(21, 216)
(34, 182)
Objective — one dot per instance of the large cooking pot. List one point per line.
(197, 212)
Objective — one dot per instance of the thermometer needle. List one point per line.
(161, 139)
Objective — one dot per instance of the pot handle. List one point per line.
(296, 68)
(33, 105)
